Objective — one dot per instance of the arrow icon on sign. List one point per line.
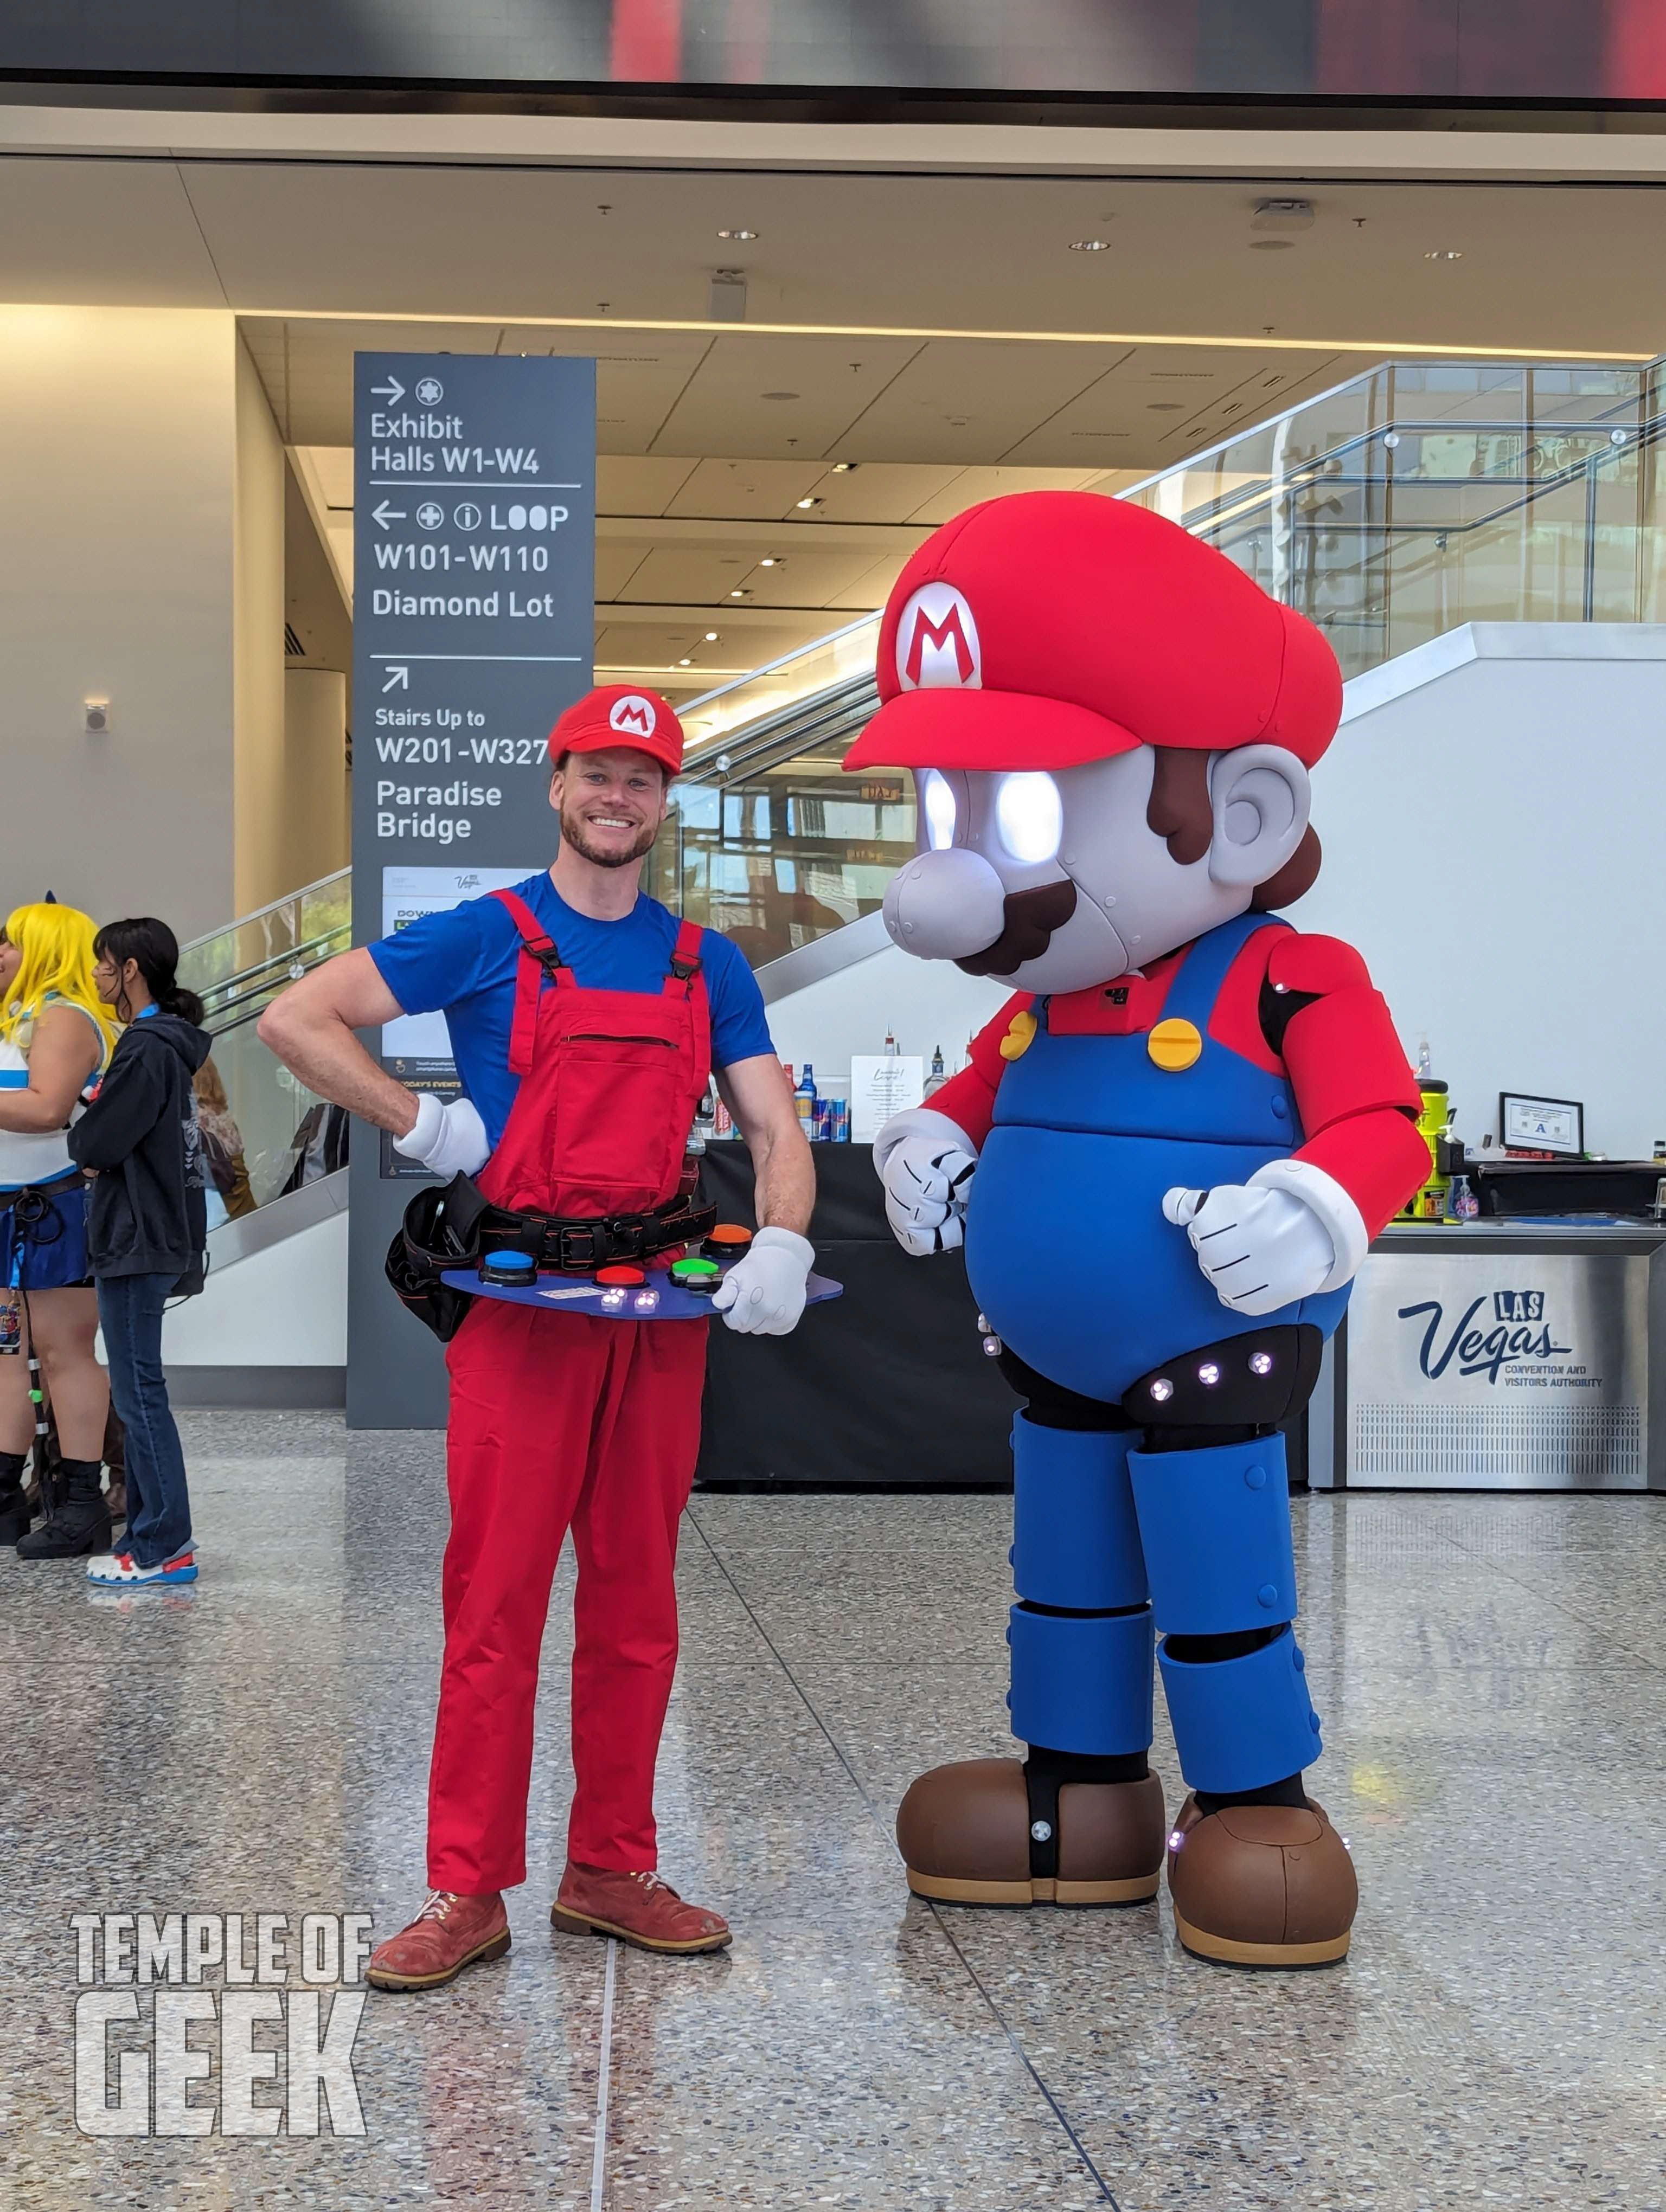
(399, 679)
(384, 514)
(393, 392)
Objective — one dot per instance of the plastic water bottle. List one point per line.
(803, 1098)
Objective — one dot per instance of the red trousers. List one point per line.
(558, 1420)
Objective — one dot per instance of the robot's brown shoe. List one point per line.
(964, 1835)
(1262, 1885)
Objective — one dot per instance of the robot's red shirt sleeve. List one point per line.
(968, 1098)
(1355, 1093)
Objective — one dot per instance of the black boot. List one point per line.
(15, 1513)
(77, 1520)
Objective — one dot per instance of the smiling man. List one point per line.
(585, 1021)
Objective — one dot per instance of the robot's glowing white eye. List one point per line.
(1029, 816)
(937, 796)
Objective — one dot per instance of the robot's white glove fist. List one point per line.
(762, 1294)
(927, 1164)
(449, 1139)
(1261, 1249)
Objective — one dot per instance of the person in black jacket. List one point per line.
(146, 1229)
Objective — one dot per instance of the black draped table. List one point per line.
(888, 1384)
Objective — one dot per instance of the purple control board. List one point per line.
(656, 1298)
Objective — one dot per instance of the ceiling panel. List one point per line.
(797, 395)
(105, 234)
(629, 483)
(752, 491)
(960, 401)
(878, 491)
(681, 574)
(807, 579)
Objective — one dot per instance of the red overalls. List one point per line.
(558, 1420)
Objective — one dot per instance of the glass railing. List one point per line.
(272, 1125)
(1421, 496)
(715, 718)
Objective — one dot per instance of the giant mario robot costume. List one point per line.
(1167, 1159)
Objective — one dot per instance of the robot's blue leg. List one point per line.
(1081, 1820)
(1259, 1877)
(1215, 1527)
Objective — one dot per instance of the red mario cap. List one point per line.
(621, 714)
(1051, 627)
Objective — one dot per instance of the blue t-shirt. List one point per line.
(463, 963)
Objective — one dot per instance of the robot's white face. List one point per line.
(1056, 882)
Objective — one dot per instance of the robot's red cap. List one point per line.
(1051, 627)
(621, 714)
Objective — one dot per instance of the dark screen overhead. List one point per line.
(1465, 52)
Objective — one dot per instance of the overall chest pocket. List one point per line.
(616, 1127)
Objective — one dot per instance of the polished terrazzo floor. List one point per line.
(1492, 1676)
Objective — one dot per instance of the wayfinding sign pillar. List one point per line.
(473, 622)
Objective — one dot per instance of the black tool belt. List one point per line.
(447, 1230)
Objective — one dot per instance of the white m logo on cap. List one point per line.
(937, 643)
(633, 713)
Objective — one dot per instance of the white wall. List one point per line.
(926, 1002)
(117, 437)
(283, 1307)
(1492, 814)
(263, 796)
(317, 803)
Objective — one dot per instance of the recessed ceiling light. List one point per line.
(845, 468)
(685, 662)
(1444, 253)
(1090, 244)
(711, 637)
(1271, 245)
(778, 395)
(738, 594)
(810, 502)
(769, 562)
(746, 237)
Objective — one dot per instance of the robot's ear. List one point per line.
(1259, 798)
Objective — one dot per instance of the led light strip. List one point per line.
(1400, 348)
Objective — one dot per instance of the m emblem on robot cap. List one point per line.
(937, 643)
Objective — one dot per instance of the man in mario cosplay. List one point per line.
(585, 1022)
(1166, 1159)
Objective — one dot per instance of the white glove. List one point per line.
(449, 1139)
(762, 1294)
(1260, 1248)
(926, 1163)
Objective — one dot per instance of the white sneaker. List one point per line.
(120, 1570)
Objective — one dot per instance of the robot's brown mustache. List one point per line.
(1029, 919)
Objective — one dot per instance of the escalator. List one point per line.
(1391, 510)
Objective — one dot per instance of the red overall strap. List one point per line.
(538, 959)
(685, 963)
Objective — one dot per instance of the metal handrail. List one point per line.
(1334, 391)
(259, 913)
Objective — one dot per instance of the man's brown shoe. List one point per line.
(637, 1908)
(1262, 1885)
(449, 1933)
(963, 1832)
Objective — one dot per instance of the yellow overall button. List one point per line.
(1173, 1045)
(1020, 1035)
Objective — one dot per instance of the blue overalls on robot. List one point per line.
(1153, 1522)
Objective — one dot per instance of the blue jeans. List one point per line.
(158, 1505)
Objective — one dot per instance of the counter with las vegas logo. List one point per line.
(1501, 1354)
